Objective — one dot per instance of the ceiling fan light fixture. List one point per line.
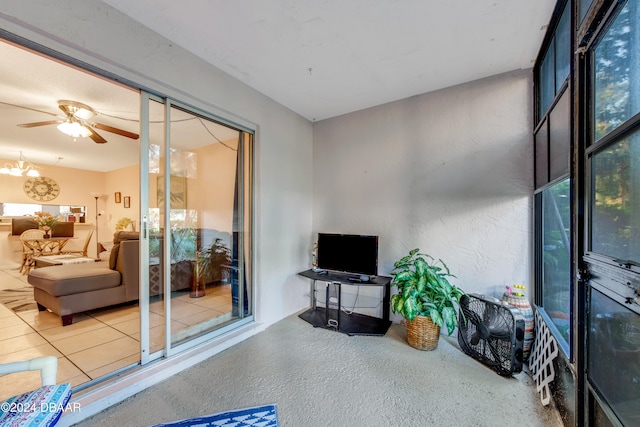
(74, 129)
(76, 109)
(77, 123)
(84, 113)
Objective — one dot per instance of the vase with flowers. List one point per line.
(46, 222)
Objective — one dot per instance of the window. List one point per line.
(615, 200)
(615, 163)
(617, 73)
(555, 66)
(21, 209)
(552, 138)
(563, 49)
(556, 259)
(583, 6)
(547, 81)
(614, 365)
(552, 141)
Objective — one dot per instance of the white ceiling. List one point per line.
(324, 58)
(320, 58)
(31, 86)
(30, 81)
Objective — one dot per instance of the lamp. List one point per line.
(74, 129)
(20, 168)
(97, 196)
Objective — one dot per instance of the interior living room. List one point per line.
(501, 138)
(94, 188)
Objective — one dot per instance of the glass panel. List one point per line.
(614, 361)
(542, 156)
(560, 137)
(203, 194)
(617, 72)
(563, 47)
(556, 266)
(156, 229)
(615, 201)
(600, 418)
(584, 5)
(547, 83)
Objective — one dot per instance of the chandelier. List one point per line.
(21, 167)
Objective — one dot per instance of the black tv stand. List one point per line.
(334, 318)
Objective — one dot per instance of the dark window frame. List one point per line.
(549, 42)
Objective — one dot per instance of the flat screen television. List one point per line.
(348, 253)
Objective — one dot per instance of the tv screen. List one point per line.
(348, 253)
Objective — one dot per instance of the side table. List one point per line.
(348, 323)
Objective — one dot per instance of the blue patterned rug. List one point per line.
(259, 416)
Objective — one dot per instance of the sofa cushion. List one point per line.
(113, 255)
(118, 237)
(74, 278)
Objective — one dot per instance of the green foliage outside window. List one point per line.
(615, 199)
(615, 170)
(617, 72)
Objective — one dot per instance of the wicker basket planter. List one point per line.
(422, 333)
(424, 295)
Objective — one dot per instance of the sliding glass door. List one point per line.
(183, 188)
(196, 226)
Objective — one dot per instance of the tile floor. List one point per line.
(96, 343)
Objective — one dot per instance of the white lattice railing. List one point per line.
(545, 350)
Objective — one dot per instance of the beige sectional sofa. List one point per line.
(75, 288)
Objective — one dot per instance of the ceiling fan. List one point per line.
(77, 123)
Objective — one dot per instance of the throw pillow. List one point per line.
(113, 258)
(41, 407)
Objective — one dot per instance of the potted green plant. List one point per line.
(425, 298)
(214, 261)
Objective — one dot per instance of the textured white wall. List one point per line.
(91, 31)
(449, 172)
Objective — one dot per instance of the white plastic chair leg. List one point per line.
(47, 365)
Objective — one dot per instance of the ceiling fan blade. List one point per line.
(35, 124)
(116, 130)
(96, 137)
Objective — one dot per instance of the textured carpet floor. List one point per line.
(18, 299)
(319, 377)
